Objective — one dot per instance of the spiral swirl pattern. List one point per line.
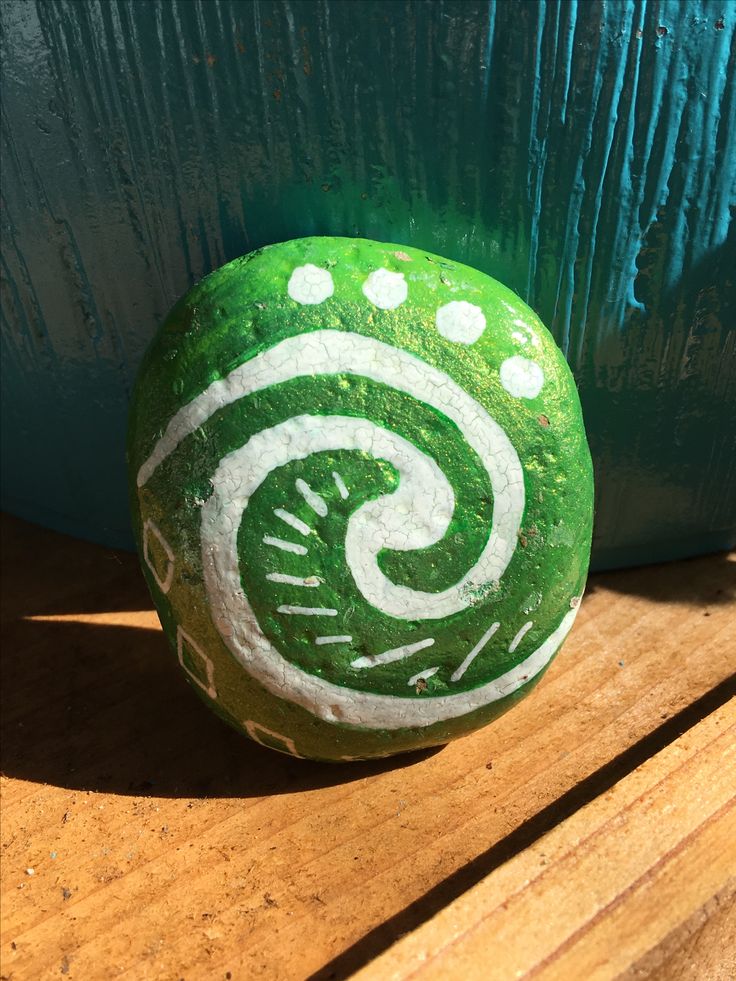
(416, 516)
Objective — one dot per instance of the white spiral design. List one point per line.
(415, 515)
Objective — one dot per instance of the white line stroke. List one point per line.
(422, 676)
(307, 611)
(340, 484)
(518, 638)
(396, 654)
(291, 519)
(316, 503)
(457, 675)
(284, 545)
(337, 639)
(293, 580)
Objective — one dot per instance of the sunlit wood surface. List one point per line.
(141, 837)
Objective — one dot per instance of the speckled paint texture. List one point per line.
(362, 495)
(580, 153)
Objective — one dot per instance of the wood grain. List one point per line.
(163, 845)
(608, 886)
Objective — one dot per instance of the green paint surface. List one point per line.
(243, 310)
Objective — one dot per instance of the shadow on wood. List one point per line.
(93, 698)
(708, 580)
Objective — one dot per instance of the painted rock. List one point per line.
(362, 494)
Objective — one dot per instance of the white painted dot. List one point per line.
(521, 378)
(385, 289)
(310, 285)
(461, 322)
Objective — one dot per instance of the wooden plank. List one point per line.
(165, 845)
(703, 947)
(607, 888)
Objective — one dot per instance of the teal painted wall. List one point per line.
(582, 153)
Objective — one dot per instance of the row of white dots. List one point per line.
(457, 321)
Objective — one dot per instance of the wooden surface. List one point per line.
(606, 887)
(162, 845)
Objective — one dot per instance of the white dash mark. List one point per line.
(457, 675)
(316, 503)
(422, 676)
(291, 519)
(337, 639)
(293, 580)
(396, 654)
(284, 545)
(307, 611)
(340, 484)
(518, 638)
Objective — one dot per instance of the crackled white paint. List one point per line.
(460, 321)
(521, 377)
(241, 631)
(285, 546)
(385, 289)
(313, 499)
(424, 494)
(415, 515)
(310, 285)
(395, 654)
(150, 528)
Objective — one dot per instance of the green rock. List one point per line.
(362, 494)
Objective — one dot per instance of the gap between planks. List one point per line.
(606, 888)
(526, 834)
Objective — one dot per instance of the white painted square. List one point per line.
(164, 582)
(253, 728)
(182, 639)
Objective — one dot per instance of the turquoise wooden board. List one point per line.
(580, 153)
